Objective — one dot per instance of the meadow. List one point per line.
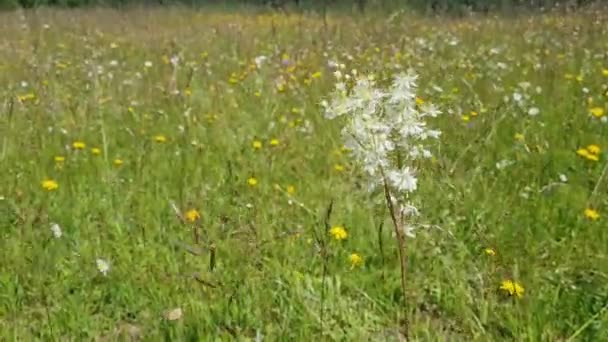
(168, 174)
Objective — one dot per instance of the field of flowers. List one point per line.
(170, 174)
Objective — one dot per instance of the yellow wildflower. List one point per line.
(26, 97)
(338, 232)
(274, 142)
(419, 101)
(466, 118)
(605, 72)
(594, 149)
(339, 167)
(96, 151)
(317, 74)
(160, 139)
(257, 144)
(192, 215)
(355, 260)
(252, 181)
(512, 288)
(490, 251)
(59, 159)
(592, 214)
(118, 162)
(519, 137)
(78, 145)
(598, 112)
(584, 152)
(291, 189)
(50, 185)
(473, 113)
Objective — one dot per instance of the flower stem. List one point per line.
(400, 233)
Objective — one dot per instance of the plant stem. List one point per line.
(400, 233)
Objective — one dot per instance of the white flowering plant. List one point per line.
(386, 132)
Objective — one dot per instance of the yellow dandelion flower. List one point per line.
(252, 181)
(605, 72)
(291, 189)
(519, 137)
(466, 118)
(594, 149)
(317, 74)
(419, 101)
(598, 112)
(490, 251)
(512, 288)
(257, 144)
(257, 94)
(59, 159)
(338, 233)
(592, 214)
(160, 139)
(192, 215)
(274, 142)
(49, 185)
(118, 162)
(339, 167)
(355, 260)
(473, 113)
(26, 97)
(96, 151)
(583, 152)
(78, 145)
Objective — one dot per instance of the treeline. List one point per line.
(360, 5)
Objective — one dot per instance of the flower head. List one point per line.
(96, 151)
(598, 112)
(160, 139)
(355, 260)
(252, 181)
(56, 230)
(103, 266)
(78, 145)
(50, 185)
(192, 215)
(490, 251)
(594, 149)
(592, 214)
(338, 233)
(512, 288)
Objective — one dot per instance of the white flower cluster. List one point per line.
(385, 131)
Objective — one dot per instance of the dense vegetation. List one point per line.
(168, 174)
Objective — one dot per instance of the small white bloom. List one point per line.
(103, 266)
(563, 178)
(533, 111)
(259, 61)
(56, 230)
(517, 97)
(504, 163)
(403, 180)
(148, 64)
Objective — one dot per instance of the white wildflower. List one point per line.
(533, 111)
(56, 230)
(148, 64)
(385, 132)
(103, 266)
(563, 178)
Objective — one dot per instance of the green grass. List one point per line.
(259, 261)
